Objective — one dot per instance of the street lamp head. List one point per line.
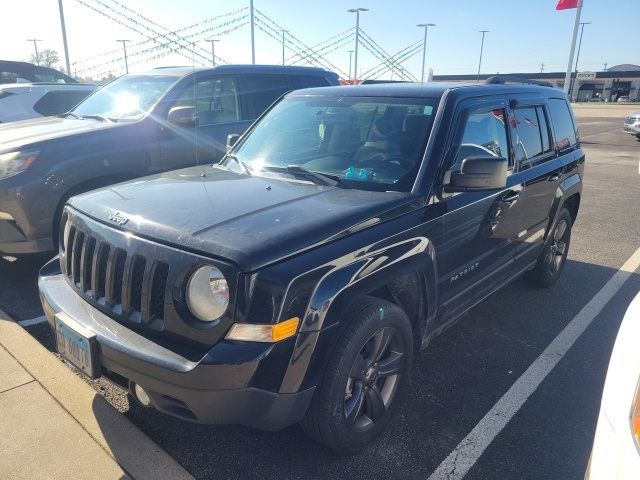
(426, 25)
(359, 9)
(484, 31)
(212, 40)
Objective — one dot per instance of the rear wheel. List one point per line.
(365, 379)
(554, 255)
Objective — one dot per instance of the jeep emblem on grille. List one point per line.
(118, 218)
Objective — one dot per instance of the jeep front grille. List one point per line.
(129, 285)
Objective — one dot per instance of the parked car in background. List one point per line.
(136, 125)
(623, 98)
(294, 280)
(23, 72)
(31, 100)
(616, 446)
(632, 124)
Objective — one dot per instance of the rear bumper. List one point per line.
(219, 388)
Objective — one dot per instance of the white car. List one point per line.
(616, 447)
(21, 101)
(632, 124)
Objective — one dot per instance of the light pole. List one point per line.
(126, 60)
(424, 45)
(483, 32)
(283, 34)
(350, 57)
(213, 49)
(35, 47)
(64, 37)
(253, 42)
(357, 12)
(575, 79)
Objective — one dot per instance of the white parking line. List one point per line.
(33, 321)
(469, 450)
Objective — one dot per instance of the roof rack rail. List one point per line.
(503, 79)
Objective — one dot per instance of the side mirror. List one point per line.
(232, 139)
(479, 173)
(185, 116)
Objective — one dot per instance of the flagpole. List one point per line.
(567, 78)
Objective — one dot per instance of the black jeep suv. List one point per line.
(294, 280)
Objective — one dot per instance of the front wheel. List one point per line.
(554, 255)
(365, 378)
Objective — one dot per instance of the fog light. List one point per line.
(141, 395)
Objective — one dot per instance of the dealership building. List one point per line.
(610, 84)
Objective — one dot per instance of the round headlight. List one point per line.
(207, 294)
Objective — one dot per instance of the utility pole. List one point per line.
(213, 49)
(542, 67)
(283, 34)
(64, 38)
(483, 32)
(350, 56)
(424, 46)
(35, 47)
(126, 60)
(575, 79)
(253, 42)
(357, 12)
(605, 66)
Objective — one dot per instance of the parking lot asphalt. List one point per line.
(463, 373)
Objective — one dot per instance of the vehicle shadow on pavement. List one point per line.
(455, 382)
(19, 285)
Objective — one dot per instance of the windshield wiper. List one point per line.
(101, 118)
(317, 178)
(69, 114)
(242, 163)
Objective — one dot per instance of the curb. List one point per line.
(136, 453)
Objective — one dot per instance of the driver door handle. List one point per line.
(511, 198)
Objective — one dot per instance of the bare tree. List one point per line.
(46, 58)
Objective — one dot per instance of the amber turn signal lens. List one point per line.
(635, 417)
(249, 332)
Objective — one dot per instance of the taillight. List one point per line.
(635, 417)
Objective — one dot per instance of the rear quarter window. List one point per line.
(562, 121)
(308, 81)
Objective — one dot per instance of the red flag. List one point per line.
(566, 4)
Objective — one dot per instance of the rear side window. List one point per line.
(55, 103)
(215, 98)
(263, 90)
(532, 133)
(308, 81)
(565, 130)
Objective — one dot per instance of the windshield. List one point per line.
(371, 143)
(127, 98)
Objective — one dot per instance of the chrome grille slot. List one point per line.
(86, 267)
(69, 249)
(158, 288)
(117, 278)
(100, 270)
(76, 256)
(137, 276)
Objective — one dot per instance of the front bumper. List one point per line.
(631, 128)
(219, 388)
(27, 209)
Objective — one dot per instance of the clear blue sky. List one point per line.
(523, 33)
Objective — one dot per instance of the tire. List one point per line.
(365, 377)
(554, 255)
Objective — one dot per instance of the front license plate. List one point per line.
(77, 344)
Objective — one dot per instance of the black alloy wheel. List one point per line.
(365, 377)
(373, 380)
(554, 255)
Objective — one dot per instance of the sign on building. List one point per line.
(586, 75)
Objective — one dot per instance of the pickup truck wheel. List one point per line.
(554, 255)
(365, 378)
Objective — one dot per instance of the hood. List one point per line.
(251, 221)
(14, 135)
